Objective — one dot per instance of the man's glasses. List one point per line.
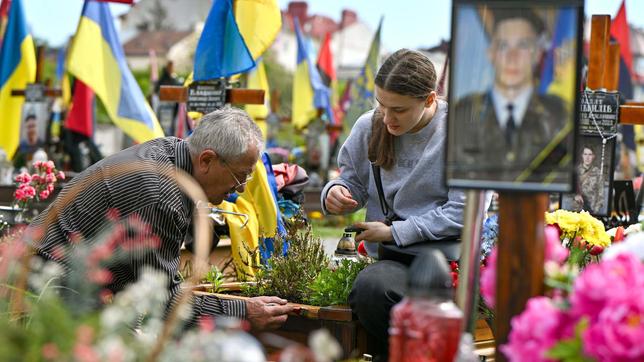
(239, 185)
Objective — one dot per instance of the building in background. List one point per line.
(154, 15)
(137, 49)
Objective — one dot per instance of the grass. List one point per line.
(332, 226)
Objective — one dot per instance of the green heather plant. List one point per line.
(332, 287)
(290, 276)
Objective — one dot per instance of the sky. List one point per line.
(407, 23)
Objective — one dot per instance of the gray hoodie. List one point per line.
(414, 187)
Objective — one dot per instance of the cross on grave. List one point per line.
(38, 91)
(207, 96)
(603, 72)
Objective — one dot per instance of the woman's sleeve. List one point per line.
(441, 222)
(354, 164)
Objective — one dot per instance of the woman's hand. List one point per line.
(339, 200)
(374, 231)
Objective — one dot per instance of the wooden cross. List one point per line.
(229, 96)
(38, 86)
(603, 68)
(603, 73)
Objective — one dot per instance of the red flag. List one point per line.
(325, 62)
(4, 13)
(619, 31)
(4, 8)
(81, 114)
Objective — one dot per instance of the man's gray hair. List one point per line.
(227, 131)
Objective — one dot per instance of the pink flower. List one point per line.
(50, 188)
(536, 330)
(23, 178)
(206, 323)
(554, 250)
(44, 194)
(50, 178)
(599, 284)
(19, 195)
(488, 279)
(35, 178)
(37, 164)
(28, 191)
(49, 165)
(61, 175)
(100, 276)
(618, 333)
(50, 351)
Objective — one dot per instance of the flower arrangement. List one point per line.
(593, 309)
(31, 188)
(67, 313)
(581, 233)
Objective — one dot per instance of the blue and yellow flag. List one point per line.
(17, 68)
(257, 79)
(558, 73)
(221, 51)
(259, 202)
(259, 23)
(309, 93)
(96, 58)
(362, 90)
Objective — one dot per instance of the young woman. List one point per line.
(405, 137)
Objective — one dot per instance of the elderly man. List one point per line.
(220, 155)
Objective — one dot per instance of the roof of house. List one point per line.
(159, 41)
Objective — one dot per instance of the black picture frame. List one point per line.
(568, 201)
(537, 154)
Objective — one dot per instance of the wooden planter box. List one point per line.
(338, 320)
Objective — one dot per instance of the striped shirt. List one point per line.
(154, 199)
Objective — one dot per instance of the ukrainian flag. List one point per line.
(309, 93)
(258, 201)
(558, 73)
(257, 79)
(96, 58)
(17, 68)
(221, 51)
(259, 23)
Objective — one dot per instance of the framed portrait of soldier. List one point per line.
(594, 170)
(34, 124)
(514, 75)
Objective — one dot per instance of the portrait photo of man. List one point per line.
(511, 126)
(593, 183)
(32, 139)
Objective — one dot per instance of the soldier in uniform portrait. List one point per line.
(504, 131)
(590, 187)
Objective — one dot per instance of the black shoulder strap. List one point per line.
(381, 194)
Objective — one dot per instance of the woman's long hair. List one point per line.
(405, 72)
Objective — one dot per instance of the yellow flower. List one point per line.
(580, 224)
(569, 222)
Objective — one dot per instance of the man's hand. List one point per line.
(267, 312)
(339, 200)
(374, 231)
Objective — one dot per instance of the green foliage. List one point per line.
(216, 278)
(290, 276)
(332, 287)
(570, 350)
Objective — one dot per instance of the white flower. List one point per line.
(325, 348)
